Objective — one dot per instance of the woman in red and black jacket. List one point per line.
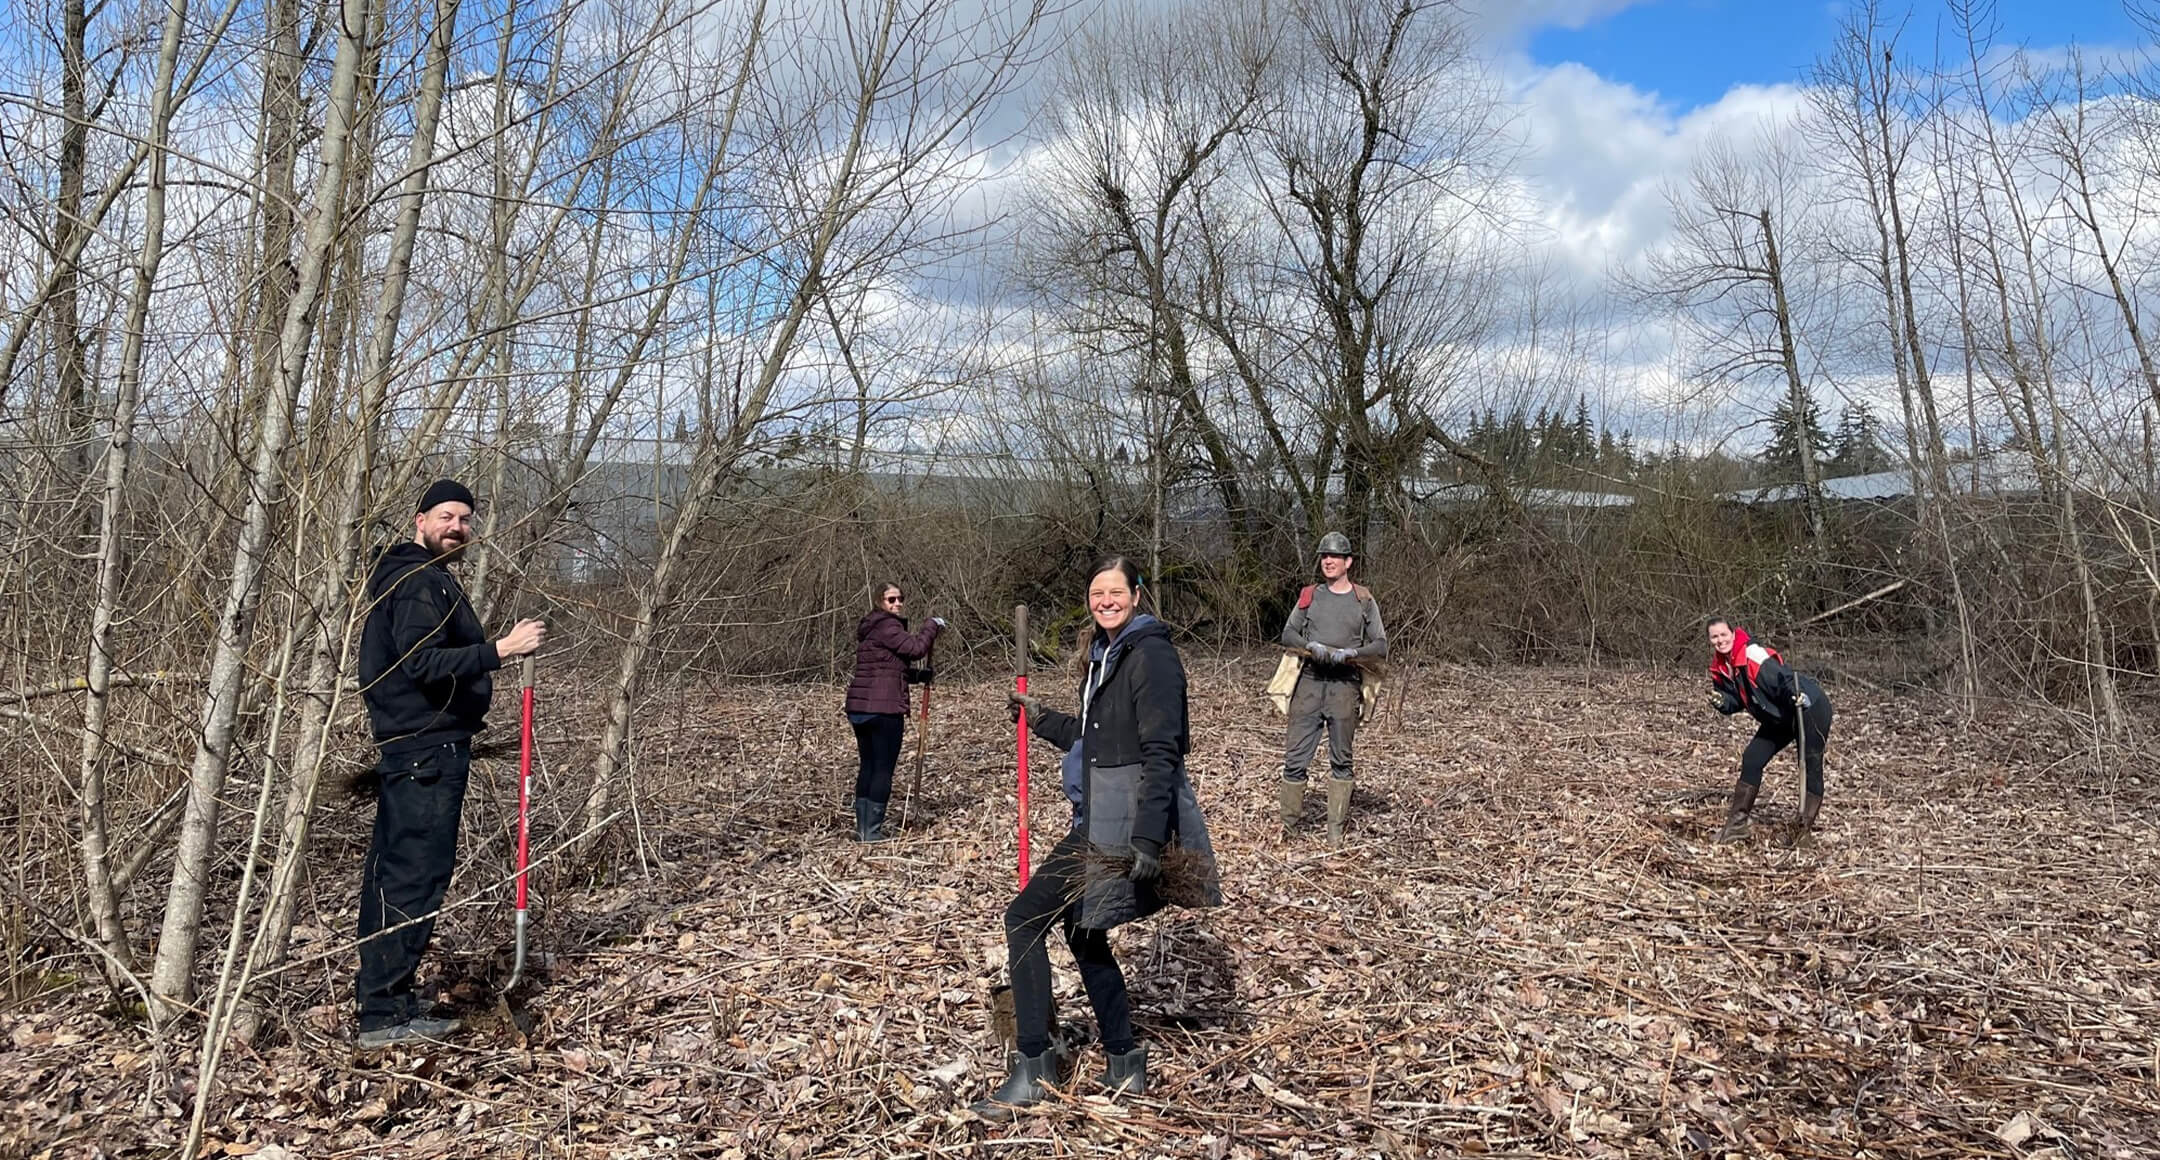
(1785, 705)
(877, 699)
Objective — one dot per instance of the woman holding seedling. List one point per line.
(1136, 809)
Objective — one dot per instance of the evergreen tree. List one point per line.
(1858, 446)
(1582, 438)
(1781, 455)
(1515, 441)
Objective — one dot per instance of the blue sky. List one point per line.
(1691, 52)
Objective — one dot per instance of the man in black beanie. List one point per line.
(425, 670)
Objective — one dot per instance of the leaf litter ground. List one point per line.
(1527, 947)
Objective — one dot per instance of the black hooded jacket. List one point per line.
(1138, 718)
(424, 659)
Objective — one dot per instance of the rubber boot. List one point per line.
(1024, 1086)
(869, 820)
(1804, 834)
(1127, 1074)
(1736, 812)
(1338, 806)
(1291, 796)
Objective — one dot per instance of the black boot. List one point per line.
(869, 820)
(1736, 813)
(1021, 1088)
(1127, 1074)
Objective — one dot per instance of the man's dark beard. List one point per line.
(444, 553)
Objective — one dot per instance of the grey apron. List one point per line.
(1109, 809)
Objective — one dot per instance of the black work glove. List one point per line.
(1717, 702)
(1015, 701)
(920, 676)
(1146, 865)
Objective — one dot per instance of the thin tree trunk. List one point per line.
(631, 363)
(105, 607)
(1923, 385)
(717, 455)
(172, 974)
(73, 405)
(502, 216)
(1796, 390)
(334, 601)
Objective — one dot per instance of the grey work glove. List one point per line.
(1146, 865)
(1014, 702)
(938, 620)
(1801, 699)
(1319, 651)
(1341, 656)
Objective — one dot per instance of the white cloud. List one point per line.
(1598, 152)
(1505, 23)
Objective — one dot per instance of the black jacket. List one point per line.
(1137, 717)
(424, 660)
(1766, 690)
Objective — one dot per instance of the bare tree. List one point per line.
(885, 106)
(1384, 160)
(1143, 109)
(1866, 109)
(2036, 365)
(1724, 274)
(105, 608)
(172, 975)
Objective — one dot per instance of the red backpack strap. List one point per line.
(1304, 597)
(1364, 594)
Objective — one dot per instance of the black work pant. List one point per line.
(1053, 896)
(1768, 743)
(877, 744)
(406, 875)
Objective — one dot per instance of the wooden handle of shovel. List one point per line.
(1020, 678)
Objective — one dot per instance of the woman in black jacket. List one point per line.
(1135, 802)
(1786, 706)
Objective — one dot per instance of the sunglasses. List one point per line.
(896, 600)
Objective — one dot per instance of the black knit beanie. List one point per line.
(445, 491)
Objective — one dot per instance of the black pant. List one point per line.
(877, 743)
(1053, 894)
(1768, 742)
(406, 875)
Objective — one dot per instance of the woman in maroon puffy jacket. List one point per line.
(877, 699)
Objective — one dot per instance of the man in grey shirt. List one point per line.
(1337, 625)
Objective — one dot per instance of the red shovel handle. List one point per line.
(525, 761)
(1020, 668)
